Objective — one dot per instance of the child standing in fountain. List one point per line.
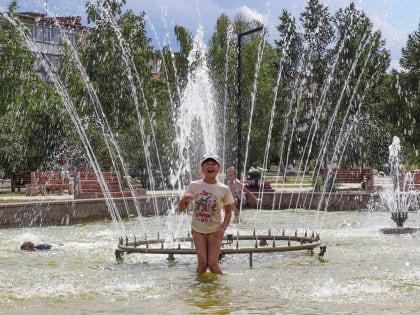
(238, 191)
(210, 197)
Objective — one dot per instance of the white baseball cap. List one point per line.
(210, 156)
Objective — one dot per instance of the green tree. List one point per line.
(31, 117)
(330, 73)
(396, 102)
(116, 57)
(118, 62)
(318, 36)
(410, 83)
(256, 88)
(223, 62)
(289, 47)
(362, 63)
(175, 67)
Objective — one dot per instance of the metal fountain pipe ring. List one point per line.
(305, 243)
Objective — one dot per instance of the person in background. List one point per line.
(238, 191)
(210, 196)
(29, 246)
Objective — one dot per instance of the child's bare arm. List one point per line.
(251, 194)
(185, 201)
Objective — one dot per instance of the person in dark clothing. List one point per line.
(29, 246)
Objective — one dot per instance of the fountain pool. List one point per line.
(363, 272)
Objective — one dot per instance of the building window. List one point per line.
(51, 35)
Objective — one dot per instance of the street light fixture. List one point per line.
(239, 109)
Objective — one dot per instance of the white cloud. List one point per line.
(391, 33)
(252, 14)
(395, 64)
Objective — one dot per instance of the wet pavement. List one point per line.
(379, 182)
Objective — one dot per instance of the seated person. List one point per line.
(29, 246)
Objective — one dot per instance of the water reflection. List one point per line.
(209, 294)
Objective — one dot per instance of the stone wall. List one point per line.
(342, 201)
(90, 210)
(31, 214)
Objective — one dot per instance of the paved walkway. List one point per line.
(71, 197)
(379, 181)
(37, 198)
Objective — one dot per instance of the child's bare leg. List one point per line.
(200, 243)
(235, 208)
(213, 247)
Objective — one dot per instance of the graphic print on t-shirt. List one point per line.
(205, 207)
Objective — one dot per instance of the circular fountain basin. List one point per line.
(363, 271)
(240, 244)
(400, 230)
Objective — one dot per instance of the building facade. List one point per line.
(48, 35)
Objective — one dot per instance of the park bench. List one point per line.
(355, 176)
(21, 179)
(87, 186)
(415, 184)
(416, 179)
(46, 182)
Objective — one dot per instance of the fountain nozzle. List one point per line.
(399, 218)
(322, 250)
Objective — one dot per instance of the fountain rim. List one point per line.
(304, 243)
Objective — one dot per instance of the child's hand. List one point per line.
(185, 200)
(220, 233)
(188, 197)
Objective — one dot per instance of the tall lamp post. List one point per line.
(239, 112)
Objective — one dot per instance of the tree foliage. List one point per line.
(397, 101)
(29, 107)
(320, 92)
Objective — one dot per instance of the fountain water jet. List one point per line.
(401, 198)
(197, 133)
(186, 122)
(105, 287)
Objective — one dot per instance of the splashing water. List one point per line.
(103, 286)
(197, 127)
(401, 198)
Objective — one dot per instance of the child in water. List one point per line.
(29, 246)
(210, 196)
(238, 191)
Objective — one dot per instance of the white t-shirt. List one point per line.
(236, 187)
(209, 201)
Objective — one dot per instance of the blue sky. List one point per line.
(395, 18)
